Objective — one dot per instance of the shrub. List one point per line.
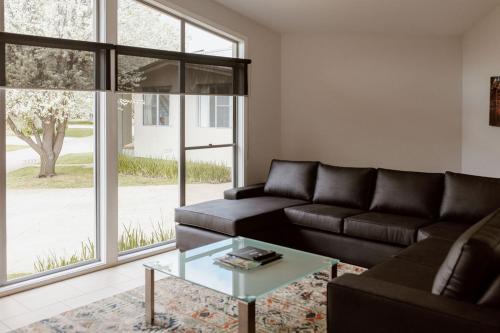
(196, 171)
(135, 237)
(132, 238)
(53, 261)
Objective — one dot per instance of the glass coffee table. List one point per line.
(197, 266)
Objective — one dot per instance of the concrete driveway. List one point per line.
(45, 221)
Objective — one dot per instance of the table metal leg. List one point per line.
(334, 271)
(150, 295)
(246, 315)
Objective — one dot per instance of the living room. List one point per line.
(149, 143)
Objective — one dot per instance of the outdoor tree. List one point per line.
(40, 117)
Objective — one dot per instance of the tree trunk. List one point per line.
(47, 166)
(48, 146)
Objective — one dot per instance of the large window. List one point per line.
(93, 174)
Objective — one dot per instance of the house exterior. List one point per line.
(149, 122)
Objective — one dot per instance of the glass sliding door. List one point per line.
(50, 141)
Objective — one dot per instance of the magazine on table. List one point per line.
(247, 258)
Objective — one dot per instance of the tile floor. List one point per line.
(30, 306)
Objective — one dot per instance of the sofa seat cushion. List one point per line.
(292, 179)
(404, 273)
(444, 230)
(388, 228)
(320, 217)
(346, 187)
(236, 217)
(408, 193)
(429, 252)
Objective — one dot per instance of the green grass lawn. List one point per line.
(9, 148)
(80, 122)
(76, 171)
(79, 132)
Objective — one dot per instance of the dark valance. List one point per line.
(32, 62)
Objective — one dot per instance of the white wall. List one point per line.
(371, 100)
(481, 60)
(264, 106)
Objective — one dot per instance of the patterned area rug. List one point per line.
(185, 308)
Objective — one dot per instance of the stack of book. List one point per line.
(247, 258)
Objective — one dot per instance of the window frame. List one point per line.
(106, 154)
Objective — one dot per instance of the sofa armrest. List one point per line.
(362, 304)
(244, 192)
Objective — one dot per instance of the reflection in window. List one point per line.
(201, 41)
(215, 111)
(156, 110)
(141, 25)
(49, 68)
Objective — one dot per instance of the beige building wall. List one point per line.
(371, 100)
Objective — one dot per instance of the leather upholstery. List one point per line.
(469, 198)
(250, 191)
(445, 230)
(188, 237)
(429, 252)
(359, 303)
(404, 273)
(408, 193)
(492, 296)
(235, 217)
(382, 227)
(292, 179)
(321, 217)
(347, 187)
(472, 263)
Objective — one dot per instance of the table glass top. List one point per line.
(197, 266)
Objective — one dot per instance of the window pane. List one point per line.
(51, 18)
(223, 116)
(209, 172)
(143, 26)
(149, 111)
(164, 104)
(141, 74)
(201, 41)
(148, 189)
(48, 68)
(50, 180)
(201, 125)
(208, 79)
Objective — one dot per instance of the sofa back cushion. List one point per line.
(292, 179)
(473, 262)
(348, 187)
(469, 198)
(408, 193)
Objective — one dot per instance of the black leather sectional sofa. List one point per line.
(404, 226)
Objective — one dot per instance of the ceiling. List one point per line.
(415, 17)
